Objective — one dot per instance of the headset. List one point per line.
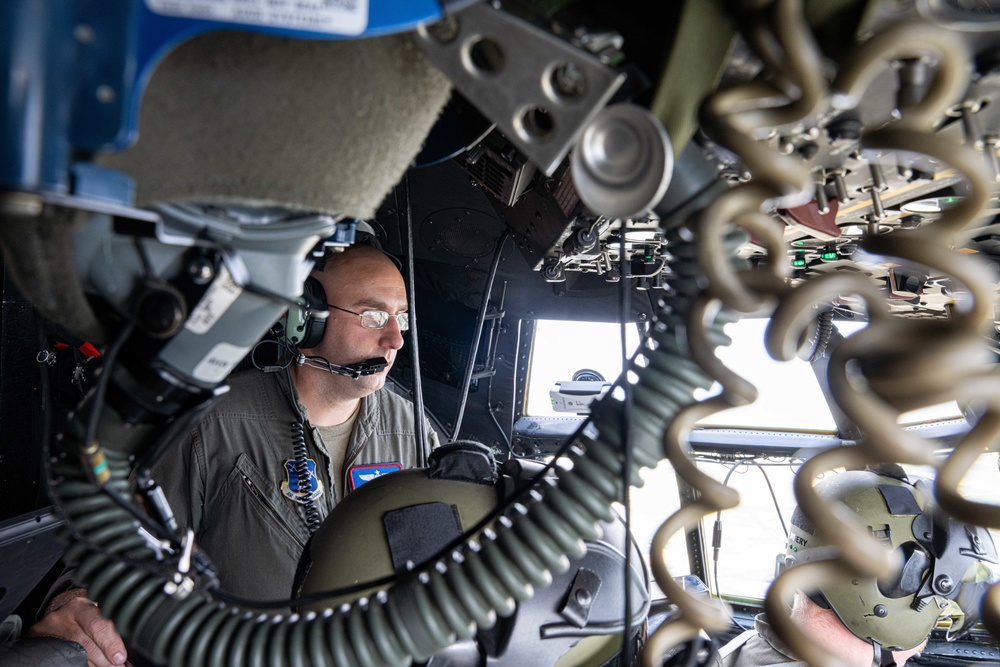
(304, 327)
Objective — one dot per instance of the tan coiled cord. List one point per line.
(928, 361)
(736, 118)
(470, 587)
(904, 364)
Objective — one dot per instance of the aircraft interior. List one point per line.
(590, 203)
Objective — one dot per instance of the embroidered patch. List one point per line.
(366, 473)
(304, 488)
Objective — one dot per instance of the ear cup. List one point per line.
(303, 329)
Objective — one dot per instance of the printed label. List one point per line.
(219, 361)
(220, 295)
(335, 17)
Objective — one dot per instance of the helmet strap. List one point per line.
(819, 599)
(878, 656)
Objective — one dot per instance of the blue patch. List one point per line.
(304, 489)
(366, 473)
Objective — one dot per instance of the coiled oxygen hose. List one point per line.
(443, 601)
(448, 599)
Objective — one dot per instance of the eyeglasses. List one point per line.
(377, 319)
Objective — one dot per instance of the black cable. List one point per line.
(144, 521)
(492, 413)
(420, 427)
(717, 533)
(824, 332)
(104, 381)
(284, 357)
(301, 464)
(624, 313)
(774, 499)
(301, 456)
(46, 407)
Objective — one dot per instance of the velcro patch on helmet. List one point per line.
(899, 500)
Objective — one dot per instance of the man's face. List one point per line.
(363, 279)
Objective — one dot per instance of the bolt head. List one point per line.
(944, 583)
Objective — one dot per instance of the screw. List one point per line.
(878, 176)
(201, 271)
(822, 202)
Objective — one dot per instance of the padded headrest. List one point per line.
(321, 125)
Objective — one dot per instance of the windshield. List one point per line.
(791, 405)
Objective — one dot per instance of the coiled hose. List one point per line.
(905, 364)
(734, 118)
(449, 599)
(442, 602)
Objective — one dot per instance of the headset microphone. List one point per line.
(370, 366)
(354, 371)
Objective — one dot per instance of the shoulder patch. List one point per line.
(358, 475)
(301, 488)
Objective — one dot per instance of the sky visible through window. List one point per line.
(790, 396)
(790, 399)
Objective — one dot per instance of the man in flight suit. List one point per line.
(280, 449)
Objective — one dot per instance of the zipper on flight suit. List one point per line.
(270, 510)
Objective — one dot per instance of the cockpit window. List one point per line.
(562, 349)
(790, 395)
(570, 359)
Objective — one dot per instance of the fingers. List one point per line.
(80, 620)
(104, 634)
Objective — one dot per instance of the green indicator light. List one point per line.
(828, 256)
(798, 262)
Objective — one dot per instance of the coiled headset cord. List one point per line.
(301, 457)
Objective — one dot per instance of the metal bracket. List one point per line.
(540, 90)
(581, 597)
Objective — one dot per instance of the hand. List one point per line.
(80, 620)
